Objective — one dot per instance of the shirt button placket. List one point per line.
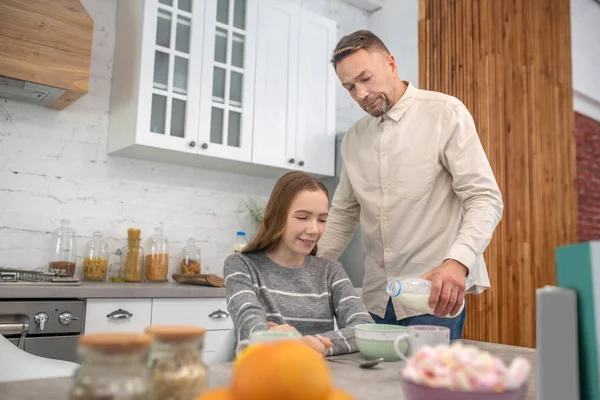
(385, 187)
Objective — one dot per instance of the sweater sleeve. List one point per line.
(246, 311)
(349, 311)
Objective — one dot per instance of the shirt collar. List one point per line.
(398, 110)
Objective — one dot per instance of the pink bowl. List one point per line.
(415, 391)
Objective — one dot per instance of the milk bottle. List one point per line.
(414, 294)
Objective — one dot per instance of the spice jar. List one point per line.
(64, 258)
(134, 257)
(95, 258)
(176, 368)
(116, 271)
(190, 259)
(113, 366)
(157, 259)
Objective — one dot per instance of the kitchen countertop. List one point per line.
(381, 383)
(88, 290)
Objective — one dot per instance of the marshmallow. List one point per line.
(465, 368)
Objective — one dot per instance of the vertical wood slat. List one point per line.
(509, 61)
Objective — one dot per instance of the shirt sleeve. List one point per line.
(246, 311)
(342, 220)
(349, 311)
(474, 183)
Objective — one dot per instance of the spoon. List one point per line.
(362, 364)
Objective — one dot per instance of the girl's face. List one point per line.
(305, 222)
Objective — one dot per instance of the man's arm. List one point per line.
(481, 202)
(342, 220)
(474, 183)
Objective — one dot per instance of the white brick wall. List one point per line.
(54, 165)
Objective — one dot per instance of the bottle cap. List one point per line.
(394, 288)
(241, 233)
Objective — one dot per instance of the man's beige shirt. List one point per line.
(420, 185)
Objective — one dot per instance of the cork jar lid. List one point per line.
(175, 333)
(116, 343)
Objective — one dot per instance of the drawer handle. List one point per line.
(120, 314)
(219, 314)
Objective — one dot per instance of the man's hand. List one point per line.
(448, 284)
(281, 328)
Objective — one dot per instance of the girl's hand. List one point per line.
(318, 344)
(281, 328)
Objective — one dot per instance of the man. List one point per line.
(416, 178)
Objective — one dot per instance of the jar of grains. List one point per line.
(64, 250)
(157, 257)
(190, 259)
(134, 256)
(176, 368)
(95, 258)
(113, 366)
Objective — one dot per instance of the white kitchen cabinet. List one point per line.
(200, 82)
(294, 111)
(226, 98)
(183, 80)
(117, 315)
(208, 313)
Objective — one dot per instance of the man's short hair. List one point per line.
(351, 43)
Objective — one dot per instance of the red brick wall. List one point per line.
(587, 141)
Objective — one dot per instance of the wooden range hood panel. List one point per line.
(47, 42)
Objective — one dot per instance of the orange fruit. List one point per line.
(223, 393)
(244, 353)
(337, 394)
(289, 370)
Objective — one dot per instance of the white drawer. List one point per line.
(197, 312)
(213, 340)
(98, 317)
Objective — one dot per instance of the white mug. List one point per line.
(419, 336)
(266, 336)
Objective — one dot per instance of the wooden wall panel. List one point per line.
(509, 61)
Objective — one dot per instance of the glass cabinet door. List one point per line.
(173, 83)
(228, 78)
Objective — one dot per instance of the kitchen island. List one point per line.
(379, 383)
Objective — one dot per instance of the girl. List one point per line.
(277, 283)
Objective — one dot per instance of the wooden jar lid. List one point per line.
(116, 342)
(175, 333)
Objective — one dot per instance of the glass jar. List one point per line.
(95, 258)
(64, 258)
(176, 368)
(113, 366)
(157, 259)
(116, 271)
(134, 257)
(190, 259)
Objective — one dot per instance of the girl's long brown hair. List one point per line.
(271, 228)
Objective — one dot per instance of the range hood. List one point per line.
(45, 51)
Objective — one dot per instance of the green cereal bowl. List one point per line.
(377, 341)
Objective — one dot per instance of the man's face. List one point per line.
(369, 78)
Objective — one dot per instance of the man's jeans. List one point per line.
(455, 324)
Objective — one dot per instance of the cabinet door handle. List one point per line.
(301, 163)
(204, 145)
(219, 314)
(120, 314)
(291, 160)
(192, 144)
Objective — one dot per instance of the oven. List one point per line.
(47, 328)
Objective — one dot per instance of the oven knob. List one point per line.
(66, 318)
(41, 319)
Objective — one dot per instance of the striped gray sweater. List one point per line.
(308, 298)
